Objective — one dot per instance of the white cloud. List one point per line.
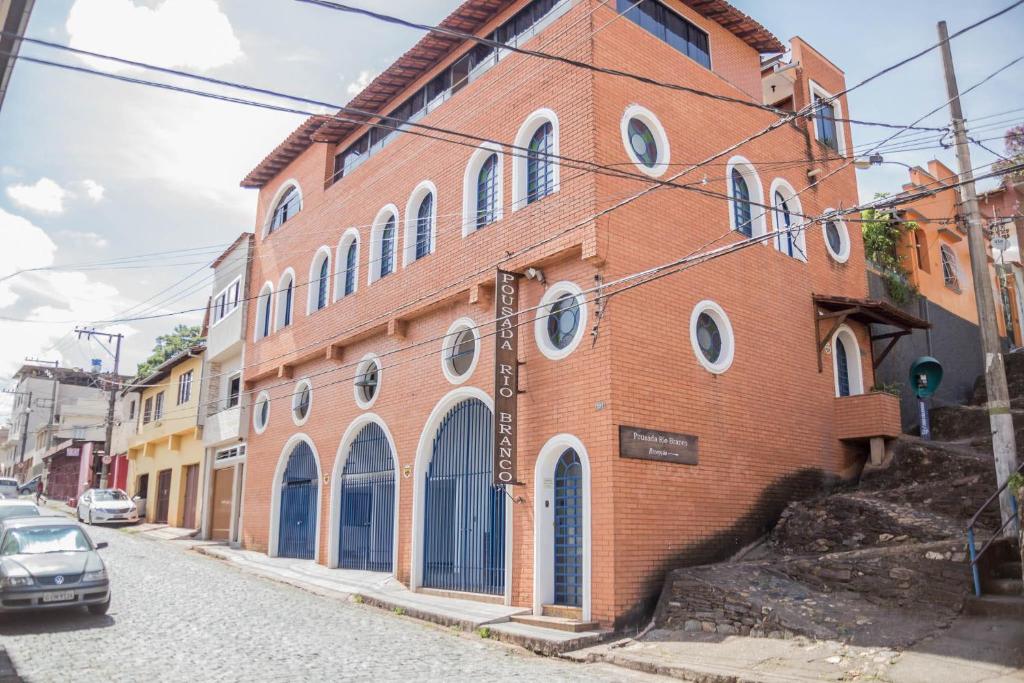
(86, 238)
(193, 34)
(45, 196)
(93, 190)
(358, 85)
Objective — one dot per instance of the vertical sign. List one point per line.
(506, 376)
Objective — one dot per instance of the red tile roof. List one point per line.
(468, 17)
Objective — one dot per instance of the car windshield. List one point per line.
(103, 496)
(40, 540)
(7, 511)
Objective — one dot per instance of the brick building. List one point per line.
(371, 345)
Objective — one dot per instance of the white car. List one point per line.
(106, 506)
(8, 487)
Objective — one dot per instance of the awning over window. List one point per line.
(838, 309)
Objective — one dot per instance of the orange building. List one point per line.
(658, 426)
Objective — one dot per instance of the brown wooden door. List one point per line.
(163, 496)
(191, 496)
(223, 493)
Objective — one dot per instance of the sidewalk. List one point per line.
(386, 592)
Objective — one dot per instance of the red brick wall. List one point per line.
(867, 415)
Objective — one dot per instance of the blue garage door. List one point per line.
(464, 530)
(297, 535)
(368, 503)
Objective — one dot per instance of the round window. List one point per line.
(642, 142)
(261, 413)
(837, 240)
(563, 321)
(832, 233)
(301, 401)
(367, 384)
(461, 353)
(711, 336)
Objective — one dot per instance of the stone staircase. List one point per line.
(880, 562)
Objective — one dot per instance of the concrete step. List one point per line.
(1011, 607)
(557, 623)
(1002, 587)
(563, 611)
(1008, 570)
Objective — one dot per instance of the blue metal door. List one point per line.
(464, 530)
(368, 503)
(569, 530)
(297, 535)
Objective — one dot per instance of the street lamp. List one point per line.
(864, 163)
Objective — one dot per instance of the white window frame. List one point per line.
(648, 118)
(520, 165)
(758, 214)
(469, 180)
(540, 325)
(945, 248)
(262, 396)
(796, 211)
(231, 304)
(412, 210)
(364, 364)
(341, 259)
(843, 255)
(855, 368)
(376, 245)
(721, 319)
(227, 390)
(185, 387)
(817, 90)
(240, 453)
(449, 342)
(323, 253)
(284, 187)
(304, 382)
(264, 309)
(279, 303)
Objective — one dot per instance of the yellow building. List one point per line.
(165, 450)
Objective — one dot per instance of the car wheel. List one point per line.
(99, 610)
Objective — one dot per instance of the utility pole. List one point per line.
(1001, 420)
(116, 354)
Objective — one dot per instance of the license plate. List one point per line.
(62, 596)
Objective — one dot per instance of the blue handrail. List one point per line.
(1014, 517)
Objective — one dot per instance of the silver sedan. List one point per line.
(106, 506)
(48, 562)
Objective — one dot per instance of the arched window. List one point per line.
(264, 311)
(387, 245)
(540, 178)
(741, 203)
(347, 278)
(285, 300)
(424, 226)
(842, 368)
(846, 365)
(487, 192)
(383, 243)
(319, 280)
(746, 215)
(289, 204)
(790, 238)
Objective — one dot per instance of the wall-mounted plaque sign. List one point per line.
(506, 377)
(650, 444)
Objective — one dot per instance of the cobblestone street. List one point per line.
(178, 616)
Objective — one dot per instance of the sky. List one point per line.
(130, 191)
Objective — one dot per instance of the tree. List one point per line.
(183, 337)
(883, 232)
(1014, 142)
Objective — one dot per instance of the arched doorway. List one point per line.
(367, 503)
(299, 500)
(464, 513)
(568, 550)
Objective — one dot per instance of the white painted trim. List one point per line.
(795, 211)
(758, 219)
(324, 252)
(540, 328)
(340, 260)
(275, 494)
(224, 291)
(424, 453)
(364, 363)
(291, 182)
(853, 361)
(543, 522)
(279, 304)
(262, 310)
(449, 342)
(519, 161)
(263, 395)
(661, 138)
(411, 219)
(816, 89)
(469, 207)
(376, 234)
(295, 401)
(720, 317)
(843, 255)
(344, 447)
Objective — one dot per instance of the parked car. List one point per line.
(17, 508)
(30, 485)
(8, 488)
(50, 562)
(100, 506)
